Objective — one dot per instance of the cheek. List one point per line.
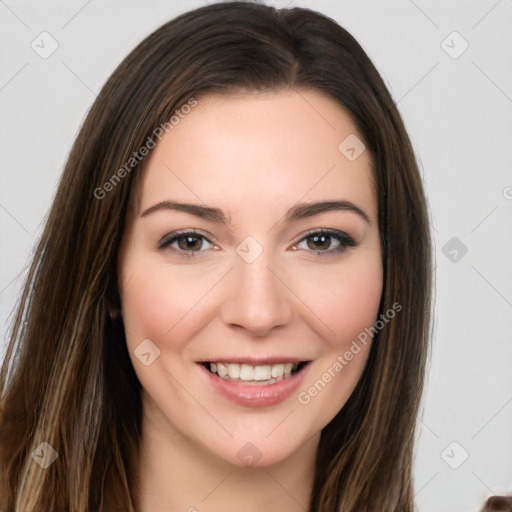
(345, 300)
(164, 304)
(146, 312)
(349, 306)
(358, 303)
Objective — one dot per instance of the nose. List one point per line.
(257, 300)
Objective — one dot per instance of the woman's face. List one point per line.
(254, 253)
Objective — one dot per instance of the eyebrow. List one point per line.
(297, 212)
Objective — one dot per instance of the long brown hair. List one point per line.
(67, 379)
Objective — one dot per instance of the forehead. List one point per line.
(270, 148)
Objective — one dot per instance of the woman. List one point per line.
(229, 305)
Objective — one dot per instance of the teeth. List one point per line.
(222, 370)
(234, 371)
(264, 373)
(246, 372)
(277, 370)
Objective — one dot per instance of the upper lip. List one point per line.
(255, 360)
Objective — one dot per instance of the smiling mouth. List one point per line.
(254, 374)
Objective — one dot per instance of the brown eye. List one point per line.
(326, 242)
(190, 243)
(186, 243)
(319, 242)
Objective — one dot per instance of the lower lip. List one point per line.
(252, 395)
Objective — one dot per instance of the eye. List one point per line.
(186, 243)
(325, 242)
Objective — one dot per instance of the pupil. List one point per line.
(320, 242)
(190, 242)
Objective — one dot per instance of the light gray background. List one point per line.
(458, 113)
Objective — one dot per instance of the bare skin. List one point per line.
(303, 296)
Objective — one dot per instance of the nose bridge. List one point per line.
(258, 300)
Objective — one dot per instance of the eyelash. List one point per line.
(344, 240)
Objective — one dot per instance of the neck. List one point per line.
(178, 475)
